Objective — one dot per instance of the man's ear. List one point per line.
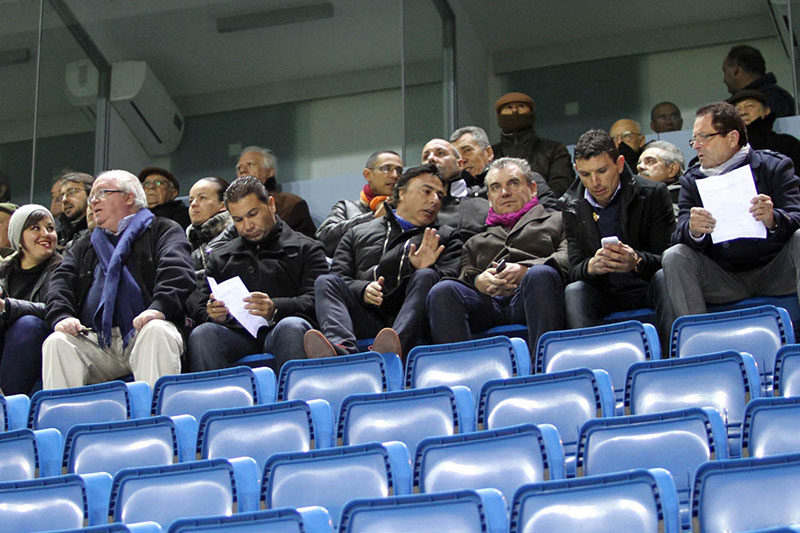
(366, 173)
(673, 169)
(620, 163)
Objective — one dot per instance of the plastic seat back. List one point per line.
(283, 520)
(502, 459)
(407, 416)
(117, 527)
(44, 504)
(759, 331)
(332, 477)
(194, 394)
(725, 381)
(771, 426)
(613, 348)
(564, 399)
(27, 454)
(465, 511)
(468, 363)
(638, 500)
(746, 494)
(787, 371)
(14, 412)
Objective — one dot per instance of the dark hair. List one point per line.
(35, 217)
(411, 173)
(748, 58)
(78, 177)
(725, 118)
(221, 184)
(245, 186)
(374, 157)
(594, 143)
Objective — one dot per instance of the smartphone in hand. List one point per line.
(608, 241)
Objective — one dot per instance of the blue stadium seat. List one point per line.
(332, 477)
(264, 430)
(612, 348)
(195, 393)
(27, 454)
(725, 381)
(502, 459)
(105, 402)
(564, 399)
(771, 426)
(759, 331)
(464, 511)
(787, 371)
(116, 527)
(283, 520)
(746, 494)
(637, 500)
(112, 446)
(165, 493)
(333, 378)
(407, 416)
(677, 441)
(468, 363)
(14, 411)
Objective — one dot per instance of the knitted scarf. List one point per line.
(368, 198)
(509, 220)
(121, 299)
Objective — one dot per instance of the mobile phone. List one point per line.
(607, 241)
(500, 266)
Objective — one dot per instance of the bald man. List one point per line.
(627, 135)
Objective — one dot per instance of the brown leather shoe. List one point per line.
(387, 341)
(317, 345)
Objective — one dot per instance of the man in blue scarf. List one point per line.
(116, 303)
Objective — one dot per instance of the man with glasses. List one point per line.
(699, 271)
(74, 197)
(628, 138)
(116, 301)
(381, 172)
(162, 189)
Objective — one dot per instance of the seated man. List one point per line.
(662, 161)
(74, 194)
(381, 172)
(384, 269)
(208, 214)
(696, 269)
(529, 242)
(116, 301)
(277, 264)
(162, 189)
(627, 136)
(665, 116)
(744, 68)
(610, 201)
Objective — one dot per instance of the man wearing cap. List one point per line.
(516, 116)
(6, 210)
(74, 196)
(161, 189)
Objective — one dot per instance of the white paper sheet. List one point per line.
(727, 197)
(232, 291)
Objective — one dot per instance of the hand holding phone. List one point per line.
(608, 241)
(500, 266)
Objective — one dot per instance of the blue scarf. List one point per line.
(121, 299)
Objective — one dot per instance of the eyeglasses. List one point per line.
(101, 194)
(72, 192)
(388, 169)
(703, 138)
(626, 136)
(155, 184)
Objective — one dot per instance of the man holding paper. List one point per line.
(739, 239)
(263, 285)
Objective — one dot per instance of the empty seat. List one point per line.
(283, 520)
(725, 381)
(468, 363)
(105, 402)
(787, 371)
(332, 477)
(502, 459)
(745, 494)
(165, 493)
(112, 446)
(612, 348)
(759, 331)
(264, 430)
(771, 426)
(464, 511)
(564, 399)
(637, 500)
(27, 454)
(333, 378)
(407, 416)
(195, 393)
(117, 527)
(677, 441)
(14, 411)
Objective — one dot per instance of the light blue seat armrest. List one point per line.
(555, 451)
(523, 356)
(606, 389)
(669, 495)
(50, 445)
(394, 371)
(18, 406)
(316, 518)
(400, 463)
(751, 370)
(266, 384)
(652, 338)
(466, 408)
(98, 492)
(245, 472)
(144, 527)
(322, 417)
(141, 398)
(495, 509)
(186, 430)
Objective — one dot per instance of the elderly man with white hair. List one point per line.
(662, 161)
(116, 302)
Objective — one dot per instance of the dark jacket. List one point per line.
(293, 210)
(200, 236)
(159, 261)
(466, 214)
(284, 265)
(761, 137)
(780, 102)
(174, 210)
(69, 230)
(646, 221)
(33, 304)
(774, 176)
(344, 215)
(380, 248)
(548, 158)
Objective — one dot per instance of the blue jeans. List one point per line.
(455, 309)
(21, 365)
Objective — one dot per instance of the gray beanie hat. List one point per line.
(16, 224)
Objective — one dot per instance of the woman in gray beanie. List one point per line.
(24, 277)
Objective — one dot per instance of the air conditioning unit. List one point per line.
(146, 107)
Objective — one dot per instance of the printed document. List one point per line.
(727, 197)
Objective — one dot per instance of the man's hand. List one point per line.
(618, 258)
(381, 211)
(701, 222)
(260, 304)
(146, 316)
(513, 274)
(216, 309)
(762, 210)
(429, 250)
(490, 284)
(373, 294)
(69, 325)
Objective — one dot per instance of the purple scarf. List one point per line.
(509, 220)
